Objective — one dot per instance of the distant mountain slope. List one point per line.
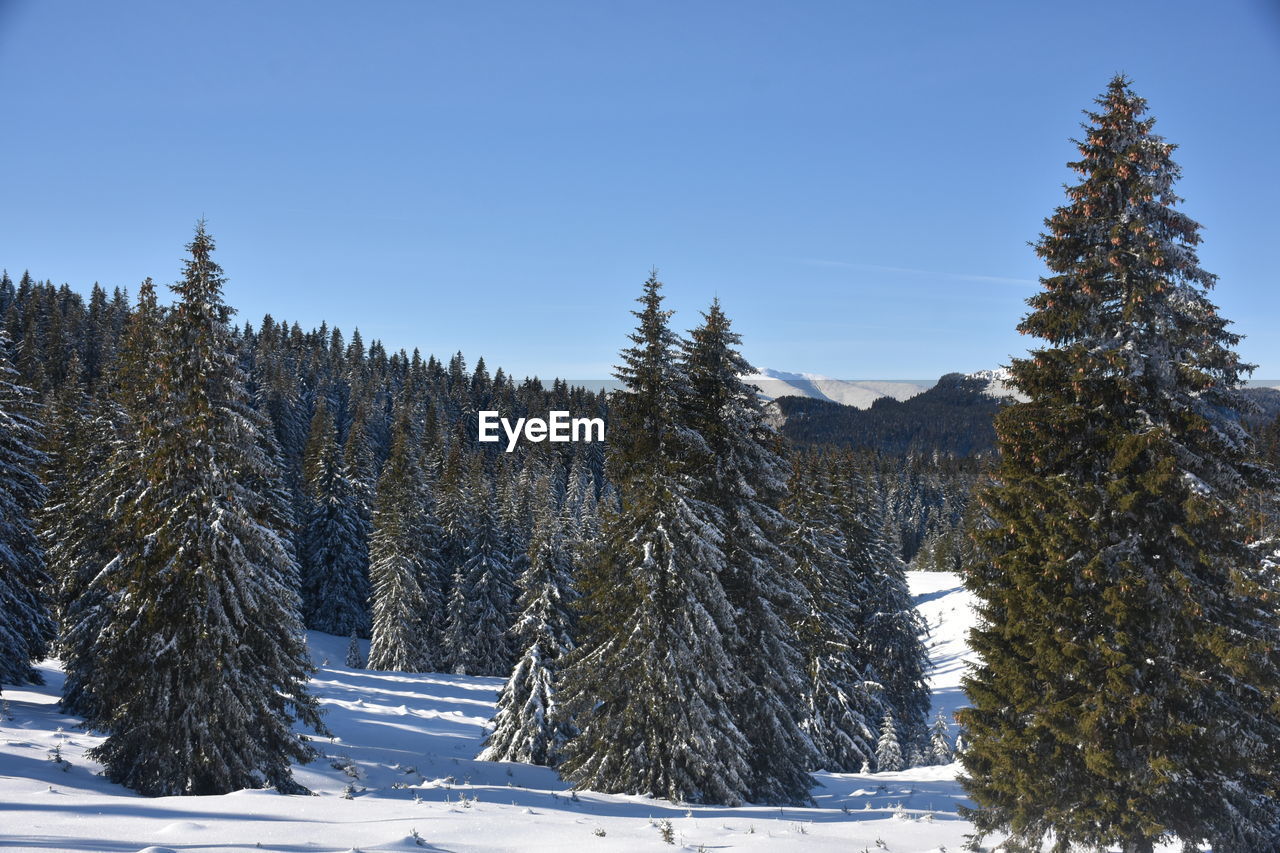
(1267, 400)
(858, 393)
(953, 417)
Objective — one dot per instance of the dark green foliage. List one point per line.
(482, 603)
(841, 708)
(940, 749)
(200, 670)
(1129, 682)
(652, 686)
(888, 751)
(354, 659)
(25, 624)
(743, 479)
(406, 604)
(887, 629)
(953, 417)
(529, 725)
(333, 542)
(843, 508)
(98, 461)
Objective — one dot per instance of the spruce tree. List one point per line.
(202, 668)
(480, 606)
(1129, 684)
(26, 627)
(87, 531)
(406, 613)
(940, 751)
(653, 686)
(887, 629)
(841, 707)
(529, 725)
(75, 527)
(743, 477)
(333, 550)
(355, 658)
(888, 750)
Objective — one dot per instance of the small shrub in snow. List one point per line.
(355, 660)
(347, 766)
(55, 755)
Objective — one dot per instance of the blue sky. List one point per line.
(857, 182)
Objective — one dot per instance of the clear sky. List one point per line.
(856, 181)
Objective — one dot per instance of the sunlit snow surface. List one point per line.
(402, 761)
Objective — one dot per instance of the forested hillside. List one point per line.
(196, 492)
(952, 418)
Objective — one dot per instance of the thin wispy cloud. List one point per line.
(955, 276)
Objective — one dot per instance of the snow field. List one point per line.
(400, 774)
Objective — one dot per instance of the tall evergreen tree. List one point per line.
(888, 630)
(406, 613)
(841, 705)
(202, 668)
(1130, 670)
(480, 606)
(743, 477)
(333, 551)
(87, 531)
(888, 750)
(653, 686)
(26, 627)
(940, 750)
(529, 725)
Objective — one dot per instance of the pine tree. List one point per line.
(887, 629)
(406, 613)
(333, 550)
(26, 627)
(455, 504)
(743, 477)
(87, 532)
(73, 530)
(529, 725)
(1130, 677)
(840, 706)
(940, 751)
(888, 750)
(202, 667)
(652, 688)
(355, 658)
(480, 605)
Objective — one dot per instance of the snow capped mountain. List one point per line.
(998, 383)
(861, 393)
(857, 393)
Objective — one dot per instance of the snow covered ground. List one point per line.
(402, 762)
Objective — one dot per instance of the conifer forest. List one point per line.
(231, 547)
